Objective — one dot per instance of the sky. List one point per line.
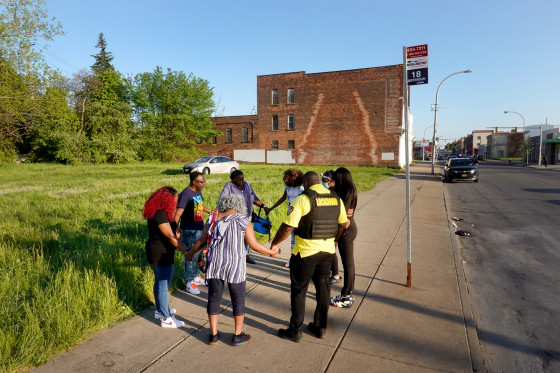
(512, 47)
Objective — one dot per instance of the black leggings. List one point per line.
(236, 292)
(346, 250)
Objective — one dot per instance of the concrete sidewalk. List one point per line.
(390, 327)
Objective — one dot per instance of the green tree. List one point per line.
(103, 58)
(23, 23)
(173, 113)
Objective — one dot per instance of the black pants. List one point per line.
(346, 250)
(236, 292)
(317, 268)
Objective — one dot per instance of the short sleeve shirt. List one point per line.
(301, 206)
(193, 214)
(159, 250)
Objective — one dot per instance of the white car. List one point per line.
(212, 164)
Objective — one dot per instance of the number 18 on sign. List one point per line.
(417, 64)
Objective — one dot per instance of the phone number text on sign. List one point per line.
(417, 51)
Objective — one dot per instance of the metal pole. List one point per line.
(423, 139)
(407, 163)
(540, 147)
(524, 145)
(435, 113)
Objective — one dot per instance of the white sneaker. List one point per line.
(191, 288)
(158, 315)
(171, 322)
(199, 280)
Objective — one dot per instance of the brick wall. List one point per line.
(341, 117)
(236, 124)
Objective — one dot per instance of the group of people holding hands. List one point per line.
(320, 216)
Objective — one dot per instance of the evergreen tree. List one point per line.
(103, 58)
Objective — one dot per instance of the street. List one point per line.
(511, 263)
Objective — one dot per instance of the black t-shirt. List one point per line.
(159, 250)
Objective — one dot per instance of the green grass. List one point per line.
(72, 257)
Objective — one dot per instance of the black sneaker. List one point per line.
(239, 339)
(316, 331)
(288, 334)
(213, 339)
(250, 260)
(342, 301)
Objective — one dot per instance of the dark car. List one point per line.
(460, 169)
(475, 159)
(481, 157)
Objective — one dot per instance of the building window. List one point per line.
(478, 137)
(291, 144)
(291, 95)
(290, 122)
(275, 122)
(229, 136)
(245, 134)
(274, 97)
(274, 144)
(214, 140)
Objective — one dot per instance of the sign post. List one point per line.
(415, 72)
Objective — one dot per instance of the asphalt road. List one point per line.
(512, 263)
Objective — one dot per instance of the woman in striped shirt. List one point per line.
(225, 233)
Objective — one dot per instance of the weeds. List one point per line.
(72, 256)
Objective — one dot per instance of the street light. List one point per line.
(524, 146)
(423, 139)
(435, 114)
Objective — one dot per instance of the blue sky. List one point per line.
(512, 46)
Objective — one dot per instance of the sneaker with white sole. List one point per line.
(199, 280)
(342, 301)
(171, 322)
(191, 288)
(158, 315)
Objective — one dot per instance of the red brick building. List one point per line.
(352, 117)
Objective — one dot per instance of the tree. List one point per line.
(22, 24)
(102, 58)
(173, 113)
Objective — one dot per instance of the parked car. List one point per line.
(460, 169)
(474, 159)
(481, 157)
(212, 165)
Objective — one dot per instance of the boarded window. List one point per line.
(291, 95)
(290, 122)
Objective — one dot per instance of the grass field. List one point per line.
(72, 238)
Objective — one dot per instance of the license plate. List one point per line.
(464, 175)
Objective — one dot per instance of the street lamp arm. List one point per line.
(436, 110)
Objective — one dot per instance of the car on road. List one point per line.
(212, 164)
(474, 159)
(460, 169)
(481, 157)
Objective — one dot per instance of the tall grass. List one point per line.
(72, 256)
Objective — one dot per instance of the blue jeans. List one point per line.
(190, 269)
(163, 274)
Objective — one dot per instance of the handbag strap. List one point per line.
(211, 230)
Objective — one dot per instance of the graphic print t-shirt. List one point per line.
(193, 216)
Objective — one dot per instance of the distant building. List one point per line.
(352, 117)
(550, 148)
(475, 140)
(504, 145)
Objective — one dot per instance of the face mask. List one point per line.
(325, 185)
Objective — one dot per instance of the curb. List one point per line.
(470, 325)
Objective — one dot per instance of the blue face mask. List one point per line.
(325, 185)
